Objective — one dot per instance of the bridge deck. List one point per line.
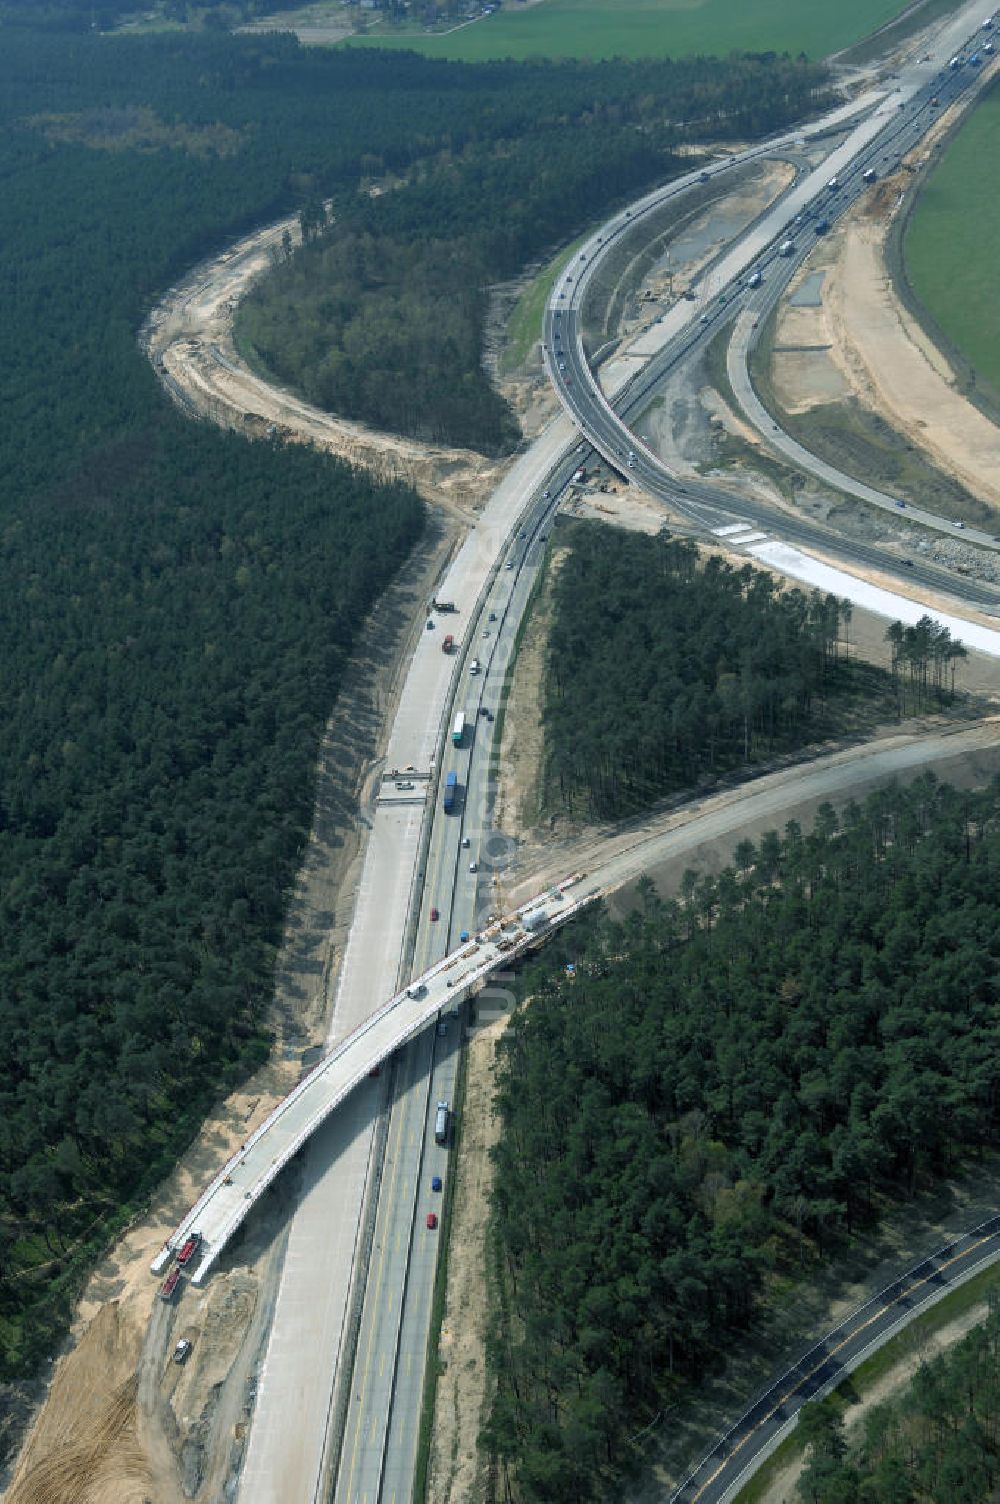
(244, 1179)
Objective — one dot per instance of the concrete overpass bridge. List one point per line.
(242, 1181)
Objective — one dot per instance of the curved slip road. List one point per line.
(751, 1440)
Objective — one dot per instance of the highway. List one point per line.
(295, 1433)
(411, 864)
(384, 1408)
(724, 1471)
(890, 124)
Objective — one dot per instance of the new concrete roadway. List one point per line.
(293, 1437)
(384, 1409)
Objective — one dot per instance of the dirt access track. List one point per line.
(189, 339)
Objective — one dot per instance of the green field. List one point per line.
(652, 28)
(950, 243)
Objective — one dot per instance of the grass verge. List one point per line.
(852, 1390)
(524, 326)
(940, 253)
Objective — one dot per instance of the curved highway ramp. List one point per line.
(241, 1182)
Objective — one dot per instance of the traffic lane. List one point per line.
(776, 438)
(395, 1338)
(361, 1453)
(488, 849)
(726, 1468)
(846, 162)
(398, 1224)
(295, 1383)
(705, 505)
(414, 1330)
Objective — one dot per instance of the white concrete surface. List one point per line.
(819, 576)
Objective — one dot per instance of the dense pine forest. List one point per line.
(720, 1088)
(662, 667)
(176, 607)
(380, 316)
(937, 1443)
(177, 604)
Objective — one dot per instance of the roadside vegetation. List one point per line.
(102, 15)
(940, 1439)
(177, 603)
(708, 1097)
(664, 668)
(380, 316)
(947, 248)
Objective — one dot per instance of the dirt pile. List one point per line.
(209, 1418)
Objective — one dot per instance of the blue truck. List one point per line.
(450, 793)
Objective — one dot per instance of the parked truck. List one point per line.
(189, 1248)
(450, 793)
(441, 1119)
(169, 1287)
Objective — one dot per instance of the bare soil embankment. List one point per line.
(189, 339)
(853, 338)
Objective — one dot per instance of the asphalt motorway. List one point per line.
(383, 1413)
(890, 128)
(294, 1396)
(761, 1428)
(294, 1436)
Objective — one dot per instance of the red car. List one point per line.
(432, 1220)
(435, 914)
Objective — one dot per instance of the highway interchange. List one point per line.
(340, 1387)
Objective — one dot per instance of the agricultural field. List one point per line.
(949, 248)
(650, 28)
